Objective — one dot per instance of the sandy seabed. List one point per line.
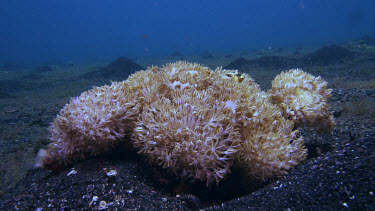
(338, 173)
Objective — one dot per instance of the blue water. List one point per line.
(37, 31)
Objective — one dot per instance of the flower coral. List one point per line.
(91, 124)
(196, 122)
(303, 98)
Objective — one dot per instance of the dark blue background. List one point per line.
(37, 31)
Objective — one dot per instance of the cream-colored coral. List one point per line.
(191, 120)
(303, 98)
(191, 129)
(269, 144)
(93, 123)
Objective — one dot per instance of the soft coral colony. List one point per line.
(196, 122)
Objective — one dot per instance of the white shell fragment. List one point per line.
(112, 173)
(102, 205)
(73, 171)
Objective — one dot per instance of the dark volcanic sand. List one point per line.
(338, 173)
